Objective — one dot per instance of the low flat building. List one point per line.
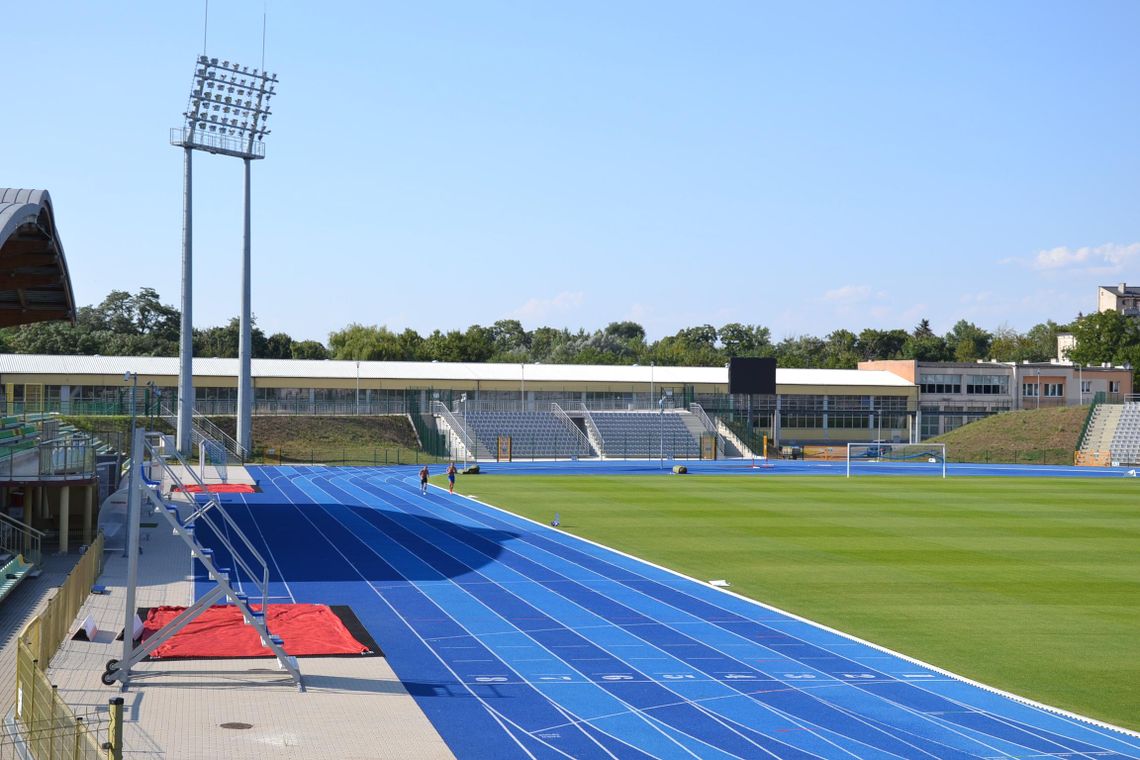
(952, 394)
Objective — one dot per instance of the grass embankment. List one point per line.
(331, 440)
(1033, 436)
(1029, 585)
(293, 439)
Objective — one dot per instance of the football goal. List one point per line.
(896, 458)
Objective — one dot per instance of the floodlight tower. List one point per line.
(229, 106)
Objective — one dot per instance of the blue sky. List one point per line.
(805, 166)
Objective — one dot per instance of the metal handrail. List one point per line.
(202, 429)
(563, 417)
(699, 413)
(203, 513)
(593, 428)
(440, 408)
(730, 435)
(32, 539)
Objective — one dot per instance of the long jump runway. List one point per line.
(520, 641)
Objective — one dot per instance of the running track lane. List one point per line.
(521, 641)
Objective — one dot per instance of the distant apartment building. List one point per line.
(954, 393)
(1123, 298)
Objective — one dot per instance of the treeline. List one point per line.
(140, 325)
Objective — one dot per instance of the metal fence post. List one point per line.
(114, 744)
(51, 724)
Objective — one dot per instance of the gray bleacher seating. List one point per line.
(646, 434)
(540, 435)
(1125, 445)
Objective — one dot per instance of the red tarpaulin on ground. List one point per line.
(220, 631)
(218, 488)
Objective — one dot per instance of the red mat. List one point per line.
(218, 488)
(220, 631)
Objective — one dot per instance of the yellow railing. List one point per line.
(50, 728)
(1092, 458)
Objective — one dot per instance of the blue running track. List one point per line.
(519, 641)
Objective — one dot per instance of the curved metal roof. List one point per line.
(34, 283)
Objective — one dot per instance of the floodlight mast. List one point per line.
(227, 113)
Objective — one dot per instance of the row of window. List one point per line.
(976, 385)
(1048, 390)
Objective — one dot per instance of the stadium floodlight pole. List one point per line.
(1038, 387)
(661, 427)
(226, 115)
(1080, 386)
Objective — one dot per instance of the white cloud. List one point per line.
(848, 294)
(1110, 257)
(976, 298)
(542, 308)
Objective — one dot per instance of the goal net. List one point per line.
(896, 459)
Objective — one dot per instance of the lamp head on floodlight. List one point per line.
(228, 109)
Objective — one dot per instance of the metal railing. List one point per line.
(225, 532)
(1097, 400)
(61, 459)
(594, 431)
(202, 430)
(45, 725)
(731, 436)
(564, 418)
(17, 538)
(458, 429)
(709, 427)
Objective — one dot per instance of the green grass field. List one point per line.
(1029, 585)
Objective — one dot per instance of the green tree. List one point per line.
(881, 344)
(922, 344)
(278, 346)
(309, 349)
(1105, 336)
(511, 341)
(967, 342)
(745, 340)
(800, 351)
(359, 342)
(222, 342)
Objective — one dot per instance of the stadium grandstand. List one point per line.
(810, 405)
(48, 483)
(551, 410)
(34, 283)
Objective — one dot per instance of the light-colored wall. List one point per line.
(907, 369)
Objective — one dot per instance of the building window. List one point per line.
(940, 383)
(1054, 390)
(1114, 386)
(1086, 386)
(951, 421)
(847, 420)
(1029, 389)
(986, 385)
(930, 418)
